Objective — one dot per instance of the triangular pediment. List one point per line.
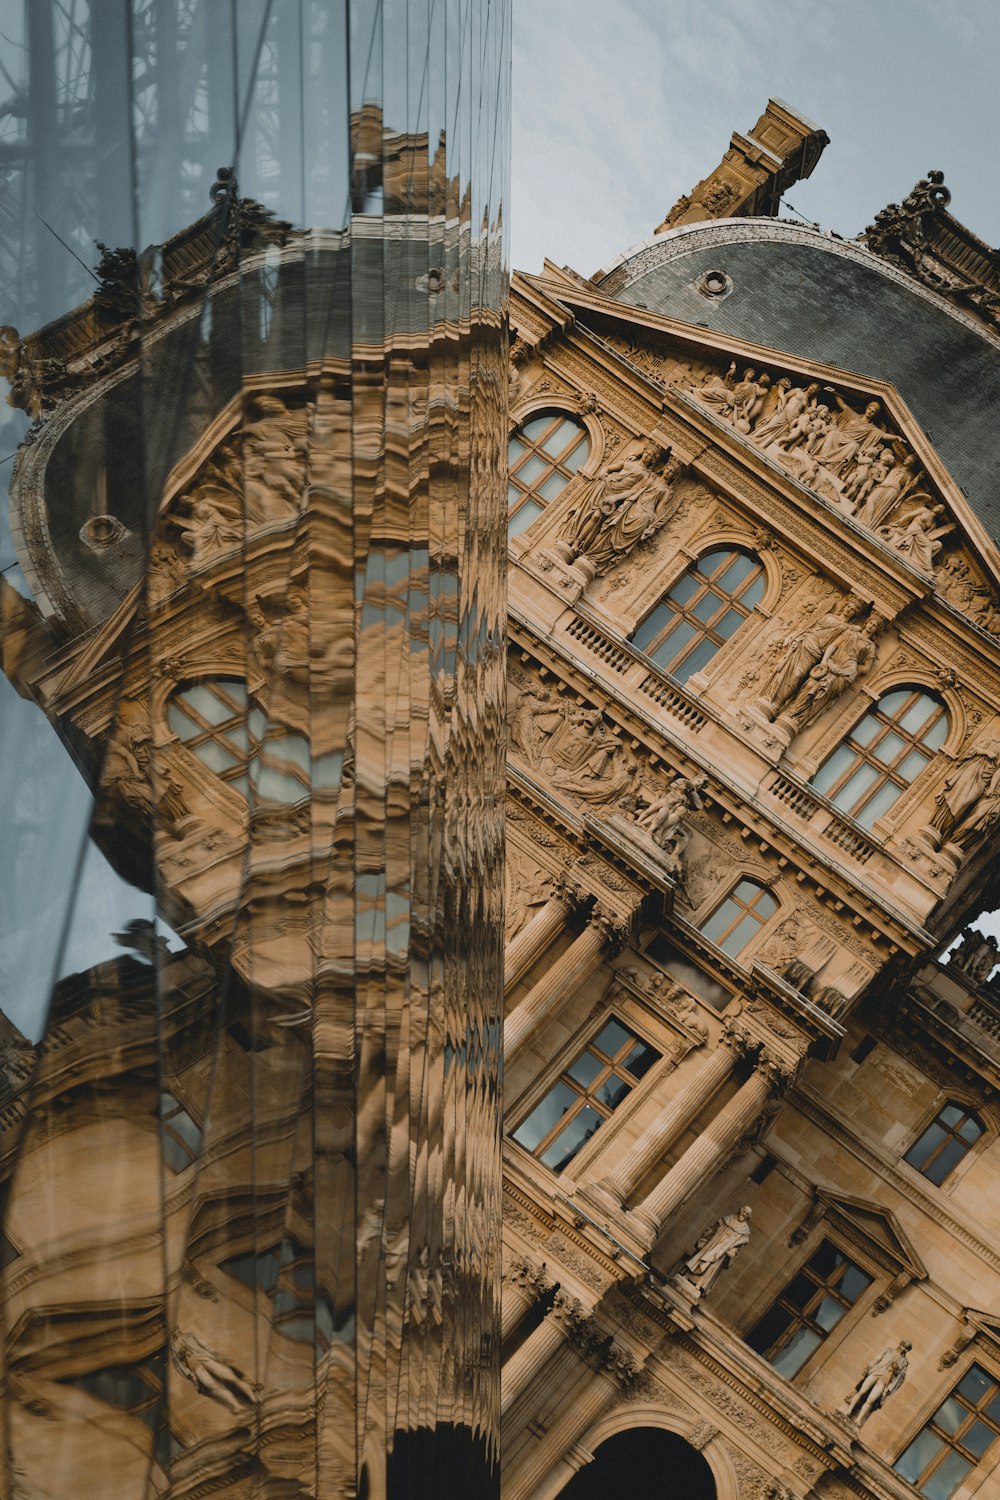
(855, 444)
(102, 646)
(876, 1226)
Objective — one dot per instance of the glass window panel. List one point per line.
(734, 942)
(533, 429)
(765, 905)
(827, 1258)
(978, 1438)
(613, 1037)
(585, 1069)
(917, 714)
(513, 494)
(181, 723)
(937, 734)
(945, 1480)
(993, 1410)
(739, 569)
(768, 1330)
(720, 919)
(945, 1162)
(832, 769)
(531, 468)
(918, 1455)
(514, 450)
(212, 755)
(754, 592)
(651, 626)
(612, 1091)
(729, 624)
(708, 606)
(640, 1059)
(891, 703)
(746, 890)
(216, 707)
(970, 1130)
(696, 660)
(274, 785)
(950, 1415)
(551, 487)
(974, 1384)
(579, 455)
(951, 1114)
(911, 765)
(561, 437)
(522, 520)
(928, 1142)
(681, 636)
(863, 733)
(828, 1314)
(853, 1282)
(878, 804)
(855, 787)
(890, 746)
(545, 1115)
(712, 561)
(685, 588)
(568, 1142)
(789, 1361)
(800, 1290)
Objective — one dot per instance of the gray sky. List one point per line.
(620, 106)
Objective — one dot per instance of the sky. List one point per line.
(621, 107)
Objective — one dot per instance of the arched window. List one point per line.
(883, 754)
(544, 455)
(702, 610)
(739, 917)
(953, 1132)
(211, 719)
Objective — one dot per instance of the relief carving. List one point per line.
(797, 654)
(849, 656)
(627, 502)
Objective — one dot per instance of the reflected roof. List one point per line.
(810, 294)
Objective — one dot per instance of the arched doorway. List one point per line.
(643, 1461)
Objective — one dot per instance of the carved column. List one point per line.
(542, 1472)
(644, 1153)
(524, 1285)
(716, 1141)
(533, 939)
(568, 972)
(538, 1348)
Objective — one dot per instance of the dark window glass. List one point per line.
(544, 454)
(938, 1151)
(701, 611)
(739, 917)
(960, 1433)
(810, 1307)
(883, 754)
(593, 1085)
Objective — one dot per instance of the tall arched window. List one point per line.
(739, 917)
(701, 611)
(211, 718)
(544, 455)
(883, 754)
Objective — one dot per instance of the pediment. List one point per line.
(877, 1227)
(864, 455)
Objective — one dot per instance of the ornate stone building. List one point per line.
(752, 1141)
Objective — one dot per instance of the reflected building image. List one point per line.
(255, 587)
(277, 905)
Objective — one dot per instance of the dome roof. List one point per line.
(815, 296)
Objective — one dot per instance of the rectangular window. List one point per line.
(960, 1433)
(593, 1085)
(809, 1308)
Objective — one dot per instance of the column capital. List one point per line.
(532, 1276)
(737, 1038)
(777, 1067)
(612, 926)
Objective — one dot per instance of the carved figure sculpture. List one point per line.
(662, 817)
(799, 653)
(849, 656)
(779, 426)
(976, 955)
(532, 718)
(965, 788)
(916, 534)
(717, 1249)
(850, 435)
(891, 485)
(209, 1374)
(210, 528)
(717, 392)
(628, 501)
(882, 1378)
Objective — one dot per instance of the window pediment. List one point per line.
(872, 1229)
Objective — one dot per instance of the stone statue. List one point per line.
(212, 526)
(976, 956)
(799, 653)
(850, 435)
(881, 1379)
(716, 1251)
(965, 788)
(210, 1375)
(849, 656)
(890, 485)
(662, 817)
(917, 533)
(628, 501)
(532, 718)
